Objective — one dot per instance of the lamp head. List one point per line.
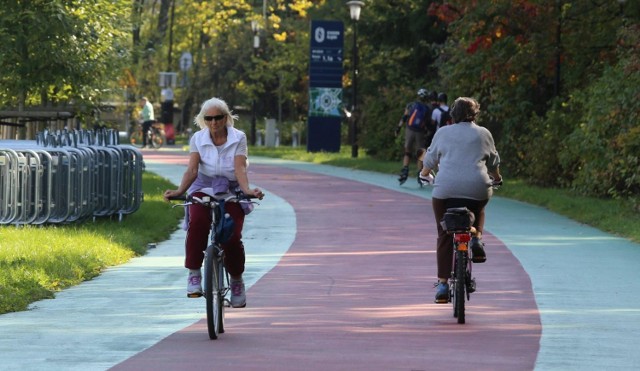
(354, 9)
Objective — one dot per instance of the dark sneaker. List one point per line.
(477, 251)
(238, 297)
(442, 293)
(404, 174)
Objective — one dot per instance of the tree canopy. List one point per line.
(61, 51)
(557, 80)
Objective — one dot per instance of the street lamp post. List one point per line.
(256, 44)
(354, 10)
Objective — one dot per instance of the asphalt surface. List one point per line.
(340, 267)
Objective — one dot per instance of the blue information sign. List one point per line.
(325, 86)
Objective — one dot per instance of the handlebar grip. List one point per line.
(178, 198)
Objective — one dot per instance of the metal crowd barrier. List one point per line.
(68, 176)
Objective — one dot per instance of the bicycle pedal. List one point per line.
(479, 259)
(471, 286)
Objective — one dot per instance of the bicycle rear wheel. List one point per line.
(212, 292)
(157, 139)
(459, 294)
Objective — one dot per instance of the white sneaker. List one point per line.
(238, 297)
(194, 285)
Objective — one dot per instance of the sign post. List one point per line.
(325, 86)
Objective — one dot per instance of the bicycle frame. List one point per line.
(217, 283)
(224, 287)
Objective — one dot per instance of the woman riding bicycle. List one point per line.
(217, 163)
(468, 166)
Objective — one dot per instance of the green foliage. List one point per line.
(603, 151)
(380, 121)
(545, 72)
(557, 82)
(540, 144)
(61, 51)
(225, 64)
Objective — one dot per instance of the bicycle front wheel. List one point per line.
(223, 284)
(212, 291)
(459, 294)
(136, 138)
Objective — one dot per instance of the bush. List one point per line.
(378, 125)
(603, 150)
(540, 145)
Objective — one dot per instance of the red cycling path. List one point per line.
(354, 292)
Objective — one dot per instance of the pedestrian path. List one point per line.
(554, 295)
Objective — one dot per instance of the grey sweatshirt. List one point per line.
(463, 154)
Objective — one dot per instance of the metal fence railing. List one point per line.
(68, 176)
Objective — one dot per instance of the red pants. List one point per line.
(198, 237)
(444, 247)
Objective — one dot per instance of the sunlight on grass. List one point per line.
(37, 261)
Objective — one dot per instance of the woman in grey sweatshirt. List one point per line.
(467, 162)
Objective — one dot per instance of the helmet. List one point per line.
(422, 93)
(442, 97)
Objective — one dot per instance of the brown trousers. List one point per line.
(198, 237)
(444, 247)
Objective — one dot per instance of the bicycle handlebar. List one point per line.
(211, 201)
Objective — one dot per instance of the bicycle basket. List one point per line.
(457, 219)
(224, 225)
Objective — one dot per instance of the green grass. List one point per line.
(37, 261)
(614, 216)
(342, 159)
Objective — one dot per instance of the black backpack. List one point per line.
(445, 117)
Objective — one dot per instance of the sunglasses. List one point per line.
(216, 117)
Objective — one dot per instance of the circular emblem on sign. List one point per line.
(327, 102)
(320, 34)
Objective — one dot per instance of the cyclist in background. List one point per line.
(468, 165)
(217, 163)
(147, 119)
